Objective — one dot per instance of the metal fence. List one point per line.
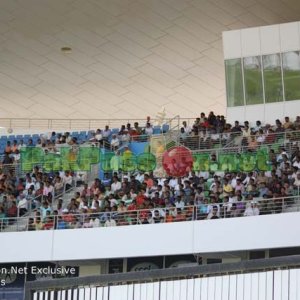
(237, 142)
(79, 124)
(68, 220)
(277, 279)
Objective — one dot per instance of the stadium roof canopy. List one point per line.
(128, 58)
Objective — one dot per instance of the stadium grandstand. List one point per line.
(149, 150)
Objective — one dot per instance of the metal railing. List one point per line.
(236, 142)
(70, 220)
(79, 124)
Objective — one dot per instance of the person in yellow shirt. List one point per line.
(227, 188)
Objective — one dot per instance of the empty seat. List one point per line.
(156, 130)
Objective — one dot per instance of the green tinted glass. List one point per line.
(291, 75)
(253, 80)
(272, 78)
(234, 82)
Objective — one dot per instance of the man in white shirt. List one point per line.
(22, 205)
(251, 209)
(116, 185)
(67, 179)
(99, 135)
(148, 129)
(110, 223)
(179, 203)
(296, 163)
(106, 132)
(115, 142)
(173, 182)
(187, 129)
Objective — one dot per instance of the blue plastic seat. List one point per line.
(156, 130)
(165, 128)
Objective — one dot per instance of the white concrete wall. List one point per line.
(262, 232)
(262, 41)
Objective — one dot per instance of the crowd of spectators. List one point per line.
(18, 196)
(143, 199)
(52, 142)
(206, 132)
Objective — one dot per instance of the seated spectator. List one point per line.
(58, 186)
(31, 225)
(251, 209)
(148, 130)
(110, 222)
(99, 135)
(114, 143)
(287, 124)
(48, 223)
(61, 224)
(38, 224)
(22, 205)
(214, 213)
(94, 221)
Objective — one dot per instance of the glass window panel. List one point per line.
(234, 82)
(253, 80)
(272, 78)
(291, 75)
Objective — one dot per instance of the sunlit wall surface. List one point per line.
(263, 79)
(278, 285)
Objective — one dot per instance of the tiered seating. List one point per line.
(137, 198)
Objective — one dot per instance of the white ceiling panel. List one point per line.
(129, 58)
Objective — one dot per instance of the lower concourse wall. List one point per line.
(208, 236)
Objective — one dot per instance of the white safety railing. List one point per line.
(79, 124)
(69, 220)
